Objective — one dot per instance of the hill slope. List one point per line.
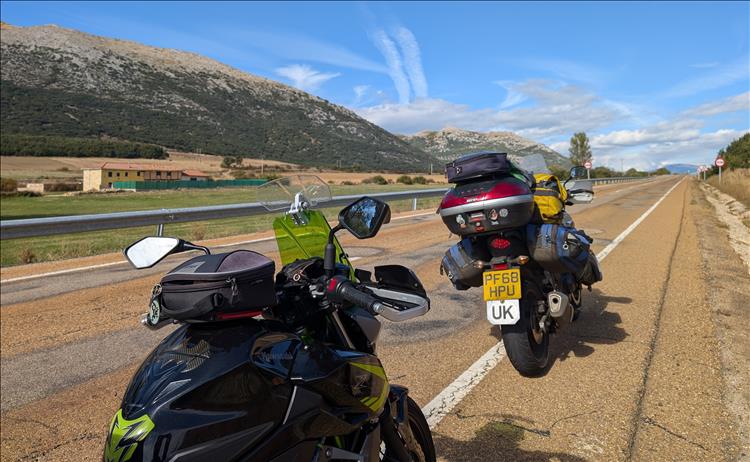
(449, 143)
(58, 81)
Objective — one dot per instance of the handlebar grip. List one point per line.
(340, 288)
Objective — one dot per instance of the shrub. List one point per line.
(64, 187)
(405, 179)
(377, 179)
(8, 184)
(419, 180)
(27, 255)
(348, 183)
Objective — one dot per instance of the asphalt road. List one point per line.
(638, 377)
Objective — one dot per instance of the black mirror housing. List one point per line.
(578, 172)
(364, 217)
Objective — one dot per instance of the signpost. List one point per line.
(588, 165)
(719, 162)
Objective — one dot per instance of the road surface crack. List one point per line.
(650, 421)
(638, 414)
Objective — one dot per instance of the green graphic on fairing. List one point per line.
(124, 436)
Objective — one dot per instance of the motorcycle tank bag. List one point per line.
(549, 199)
(487, 205)
(557, 248)
(459, 264)
(226, 282)
(477, 165)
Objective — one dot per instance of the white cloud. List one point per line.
(719, 77)
(412, 60)
(301, 47)
(305, 77)
(558, 110)
(677, 130)
(568, 70)
(360, 91)
(734, 103)
(512, 97)
(395, 66)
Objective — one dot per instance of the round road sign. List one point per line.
(587, 164)
(719, 162)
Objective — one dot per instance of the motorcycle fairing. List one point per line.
(124, 436)
(298, 241)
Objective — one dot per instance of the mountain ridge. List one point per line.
(450, 142)
(58, 81)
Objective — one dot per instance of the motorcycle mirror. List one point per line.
(577, 172)
(365, 217)
(150, 250)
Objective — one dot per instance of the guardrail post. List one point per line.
(160, 229)
(414, 204)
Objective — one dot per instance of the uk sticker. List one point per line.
(503, 312)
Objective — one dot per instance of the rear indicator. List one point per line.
(499, 243)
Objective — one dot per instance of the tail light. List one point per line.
(500, 266)
(499, 243)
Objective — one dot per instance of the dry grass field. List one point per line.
(735, 182)
(69, 168)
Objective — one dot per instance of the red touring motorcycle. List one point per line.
(519, 244)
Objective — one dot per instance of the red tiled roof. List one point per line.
(194, 173)
(138, 166)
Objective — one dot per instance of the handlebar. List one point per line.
(340, 288)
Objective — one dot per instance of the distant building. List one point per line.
(103, 177)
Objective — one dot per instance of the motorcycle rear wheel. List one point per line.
(525, 342)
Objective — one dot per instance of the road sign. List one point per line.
(719, 162)
(587, 164)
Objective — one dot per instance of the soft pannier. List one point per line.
(557, 248)
(226, 282)
(549, 199)
(478, 165)
(460, 264)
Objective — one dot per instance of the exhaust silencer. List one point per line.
(559, 304)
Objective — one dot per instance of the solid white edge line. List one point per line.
(446, 400)
(103, 265)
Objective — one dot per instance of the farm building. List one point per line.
(104, 176)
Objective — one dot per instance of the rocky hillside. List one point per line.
(449, 143)
(64, 82)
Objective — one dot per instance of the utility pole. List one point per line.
(261, 165)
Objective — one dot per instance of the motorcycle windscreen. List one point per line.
(297, 242)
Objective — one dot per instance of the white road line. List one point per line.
(65, 271)
(447, 399)
(114, 263)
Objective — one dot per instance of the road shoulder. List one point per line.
(728, 289)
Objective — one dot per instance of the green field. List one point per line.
(19, 251)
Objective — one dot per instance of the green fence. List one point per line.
(162, 185)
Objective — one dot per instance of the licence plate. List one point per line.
(503, 312)
(502, 284)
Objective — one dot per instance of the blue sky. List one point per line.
(651, 83)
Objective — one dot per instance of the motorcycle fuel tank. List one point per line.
(242, 391)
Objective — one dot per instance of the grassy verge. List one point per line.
(20, 251)
(735, 182)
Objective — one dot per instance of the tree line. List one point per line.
(63, 146)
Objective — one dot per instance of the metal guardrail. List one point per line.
(34, 227)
